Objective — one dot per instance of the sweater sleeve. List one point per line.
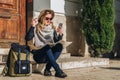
(30, 34)
(57, 37)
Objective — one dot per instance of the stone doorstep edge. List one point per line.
(84, 63)
(75, 64)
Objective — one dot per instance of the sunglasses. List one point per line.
(47, 18)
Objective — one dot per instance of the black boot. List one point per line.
(60, 74)
(47, 73)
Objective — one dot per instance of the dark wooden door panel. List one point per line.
(12, 22)
(9, 29)
(11, 6)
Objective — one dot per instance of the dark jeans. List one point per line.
(49, 55)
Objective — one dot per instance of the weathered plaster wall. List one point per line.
(74, 34)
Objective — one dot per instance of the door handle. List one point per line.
(5, 15)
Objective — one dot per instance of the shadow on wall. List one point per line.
(116, 48)
(74, 28)
(29, 13)
(29, 16)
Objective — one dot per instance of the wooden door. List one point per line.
(12, 22)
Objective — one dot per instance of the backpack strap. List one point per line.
(27, 55)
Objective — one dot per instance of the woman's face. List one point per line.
(48, 19)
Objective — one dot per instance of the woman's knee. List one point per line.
(44, 49)
(58, 47)
(47, 47)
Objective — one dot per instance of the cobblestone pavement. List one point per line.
(110, 72)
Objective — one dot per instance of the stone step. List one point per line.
(68, 62)
(65, 55)
(1, 68)
(72, 62)
(75, 62)
(3, 57)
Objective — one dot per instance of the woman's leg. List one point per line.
(40, 55)
(59, 72)
(57, 49)
(52, 60)
(47, 51)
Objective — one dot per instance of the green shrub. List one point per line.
(98, 25)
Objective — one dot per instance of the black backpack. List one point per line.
(18, 61)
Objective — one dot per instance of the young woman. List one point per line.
(45, 33)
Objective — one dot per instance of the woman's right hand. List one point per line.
(34, 22)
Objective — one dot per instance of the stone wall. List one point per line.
(74, 34)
